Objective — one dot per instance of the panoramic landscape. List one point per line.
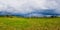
(29, 14)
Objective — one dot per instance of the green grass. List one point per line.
(16, 23)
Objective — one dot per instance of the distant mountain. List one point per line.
(43, 13)
(36, 13)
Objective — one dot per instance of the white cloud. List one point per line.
(27, 6)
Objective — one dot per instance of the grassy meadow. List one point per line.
(16, 23)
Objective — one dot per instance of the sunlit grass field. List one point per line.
(19, 23)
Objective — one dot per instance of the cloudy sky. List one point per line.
(29, 6)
